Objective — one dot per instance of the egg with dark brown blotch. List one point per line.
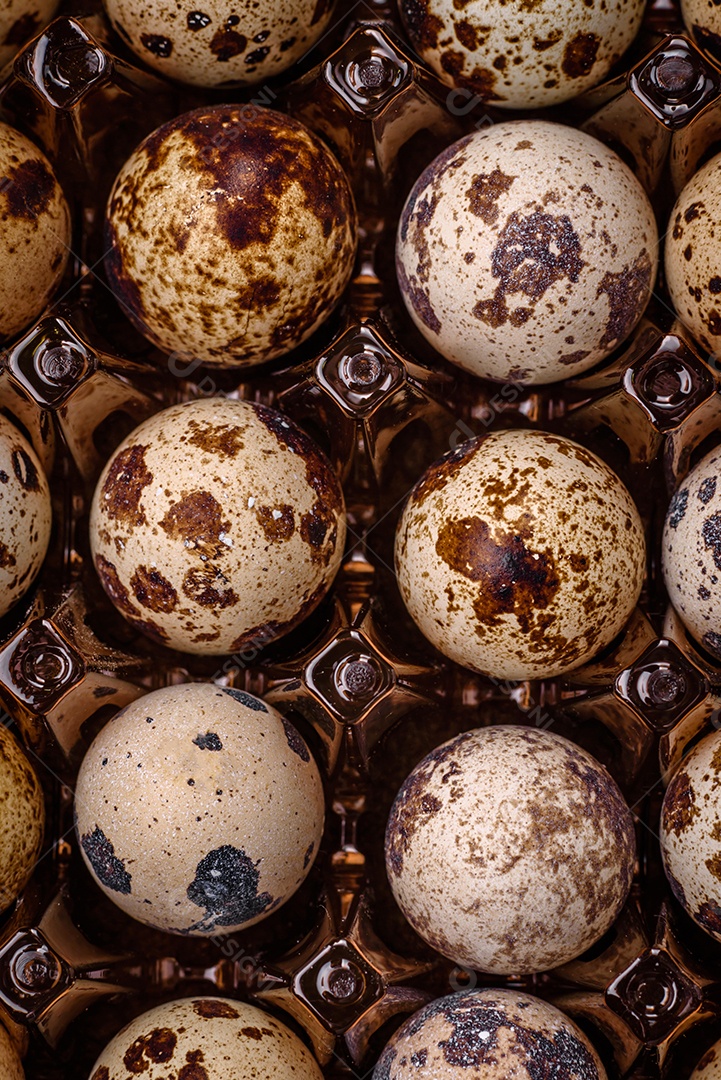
(510, 850)
(526, 252)
(703, 22)
(520, 555)
(496, 1034)
(10, 1064)
(709, 1067)
(20, 20)
(231, 233)
(209, 43)
(217, 526)
(221, 809)
(520, 54)
(25, 515)
(207, 1038)
(35, 236)
(22, 820)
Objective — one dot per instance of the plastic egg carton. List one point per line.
(338, 962)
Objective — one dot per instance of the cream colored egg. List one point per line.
(510, 850)
(199, 809)
(690, 835)
(518, 54)
(22, 819)
(520, 555)
(217, 525)
(10, 1065)
(496, 1034)
(526, 252)
(691, 552)
(21, 20)
(208, 1038)
(210, 43)
(703, 22)
(709, 1067)
(231, 233)
(25, 515)
(693, 255)
(35, 232)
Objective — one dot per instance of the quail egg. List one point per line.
(22, 820)
(231, 233)
(215, 525)
(510, 850)
(209, 1038)
(693, 253)
(690, 834)
(520, 555)
(220, 44)
(35, 237)
(10, 1065)
(526, 252)
(703, 22)
(691, 552)
(25, 515)
(199, 809)
(21, 20)
(709, 1067)
(498, 1034)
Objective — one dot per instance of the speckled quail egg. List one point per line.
(231, 233)
(709, 1067)
(199, 809)
(10, 1065)
(22, 820)
(217, 524)
(703, 22)
(21, 20)
(208, 1038)
(526, 252)
(25, 515)
(691, 552)
(35, 231)
(520, 555)
(221, 44)
(520, 54)
(510, 850)
(497, 1034)
(691, 835)
(693, 254)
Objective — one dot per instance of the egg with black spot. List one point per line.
(231, 235)
(709, 1067)
(20, 20)
(22, 819)
(520, 54)
(35, 237)
(199, 809)
(526, 252)
(10, 1064)
(703, 22)
(208, 43)
(25, 515)
(520, 555)
(510, 850)
(207, 1038)
(217, 526)
(693, 254)
(691, 551)
(497, 1034)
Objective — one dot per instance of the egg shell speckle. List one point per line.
(10, 1064)
(497, 1034)
(510, 850)
(521, 54)
(211, 44)
(691, 834)
(35, 231)
(691, 552)
(709, 1067)
(20, 20)
(222, 809)
(22, 819)
(206, 1039)
(25, 515)
(251, 213)
(703, 22)
(526, 252)
(216, 525)
(520, 555)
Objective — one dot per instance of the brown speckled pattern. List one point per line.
(209, 43)
(521, 555)
(510, 850)
(221, 801)
(526, 252)
(206, 1039)
(494, 1034)
(217, 523)
(22, 819)
(21, 20)
(10, 1064)
(522, 54)
(703, 23)
(34, 233)
(709, 1067)
(25, 515)
(232, 234)
(691, 834)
